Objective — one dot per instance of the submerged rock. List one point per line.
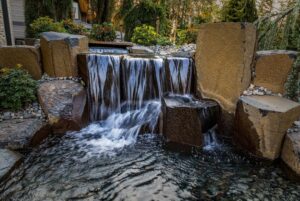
(223, 61)
(28, 56)
(64, 103)
(60, 51)
(261, 123)
(184, 119)
(272, 69)
(22, 133)
(8, 161)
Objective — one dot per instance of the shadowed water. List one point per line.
(61, 170)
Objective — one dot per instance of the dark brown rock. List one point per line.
(60, 52)
(290, 153)
(28, 56)
(185, 119)
(64, 103)
(261, 124)
(20, 134)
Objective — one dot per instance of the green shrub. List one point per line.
(239, 11)
(44, 24)
(73, 28)
(103, 32)
(292, 84)
(17, 88)
(146, 35)
(186, 36)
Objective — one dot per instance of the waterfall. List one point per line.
(104, 85)
(142, 79)
(179, 75)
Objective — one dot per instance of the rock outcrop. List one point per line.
(19, 134)
(291, 152)
(185, 119)
(261, 124)
(8, 161)
(224, 58)
(272, 69)
(28, 56)
(64, 103)
(60, 51)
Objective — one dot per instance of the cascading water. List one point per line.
(104, 85)
(179, 75)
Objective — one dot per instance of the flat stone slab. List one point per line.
(8, 161)
(261, 123)
(22, 133)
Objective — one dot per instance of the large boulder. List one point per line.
(60, 51)
(291, 152)
(224, 57)
(261, 124)
(272, 69)
(64, 103)
(28, 56)
(8, 161)
(20, 134)
(184, 119)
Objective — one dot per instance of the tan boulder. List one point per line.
(60, 52)
(291, 151)
(261, 123)
(272, 69)
(64, 103)
(224, 57)
(28, 56)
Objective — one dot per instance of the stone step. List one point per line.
(261, 123)
(184, 119)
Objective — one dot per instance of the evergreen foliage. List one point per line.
(239, 11)
(146, 12)
(55, 9)
(104, 10)
(17, 88)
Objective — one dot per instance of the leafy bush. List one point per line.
(186, 36)
(292, 84)
(146, 35)
(73, 28)
(44, 24)
(146, 12)
(17, 88)
(103, 32)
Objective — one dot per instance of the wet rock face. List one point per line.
(272, 69)
(261, 123)
(8, 161)
(20, 134)
(184, 119)
(291, 152)
(64, 102)
(60, 51)
(223, 61)
(28, 56)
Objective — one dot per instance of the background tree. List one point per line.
(239, 11)
(104, 10)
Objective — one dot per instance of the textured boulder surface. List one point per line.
(261, 124)
(272, 69)
(8, 161)
(64, 103)
(184, 120)
(224, 58)
(291, 152)
(19, 134)
(28, 56)
(60, 51)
